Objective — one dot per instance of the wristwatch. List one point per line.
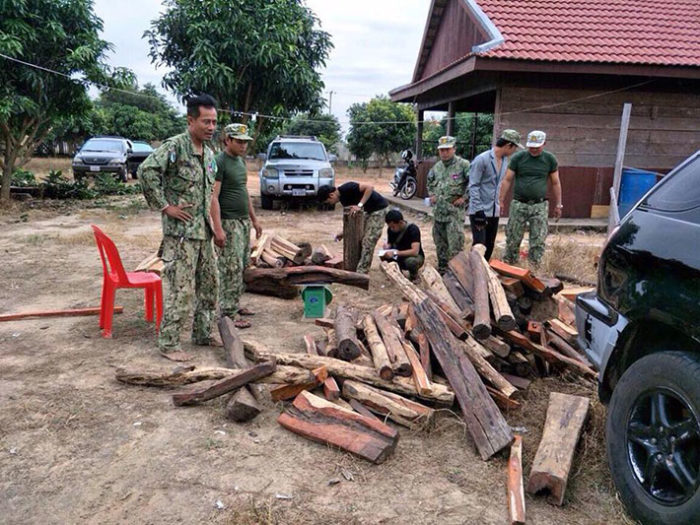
(360, 204)
(560, 206)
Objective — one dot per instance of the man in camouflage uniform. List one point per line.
(232, 214)
(360, 197)
(447, 186)
(177, 179)
(531, 169)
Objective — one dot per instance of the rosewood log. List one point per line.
(481, 326)
(380, 356)
(320, 420)
(346, 334)
(353, 231)
(566, 415)
(516, 494)
(501, 309)
(296, 275)
(391, 336)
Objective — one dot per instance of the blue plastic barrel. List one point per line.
(634, 185)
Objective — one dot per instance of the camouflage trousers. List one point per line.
(374, 224)
(520, 216)
(449, 240)
(412, 264)
(234, 258)
(189, 270)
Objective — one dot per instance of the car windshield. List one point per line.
(297, 150)
(140, 146)
(680, 191)
(103, 145)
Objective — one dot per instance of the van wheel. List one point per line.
(123, 175)
(266, 202)
(653, 438)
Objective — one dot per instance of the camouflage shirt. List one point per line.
(174, 174)
(448, 181)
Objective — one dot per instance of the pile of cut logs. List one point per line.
(455, 337)
(278, 266)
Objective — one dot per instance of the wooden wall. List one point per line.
(664, 127)
(455, 38)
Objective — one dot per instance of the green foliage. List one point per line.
(380, 127)
(464, 132)
(64, 36)
(257, 55)
(325, 128)
(23, 178)
(57, 186)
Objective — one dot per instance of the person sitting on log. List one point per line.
(403, 244)
(360, 197)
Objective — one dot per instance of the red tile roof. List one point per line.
(656, 32)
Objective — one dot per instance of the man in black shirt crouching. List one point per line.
(403, 244)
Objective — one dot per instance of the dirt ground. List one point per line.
(76, 446)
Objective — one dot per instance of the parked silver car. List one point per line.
(103, 154)
(295, 167)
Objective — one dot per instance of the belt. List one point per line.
(532, 201)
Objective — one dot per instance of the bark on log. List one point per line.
(322, 421)
(471, 348)
(440, 394)
(501, 309)
(460, 266)
(432, 281)
(305, 275)
(481, 327)
(424, 349)
(459, 295)
(408, 289)
(516, 494)
(566, 415)
(320, 255)
(353, 231)
(379, 352)
(281, 289)
(391, 336)
(457, 326)
(498, 347)
(484, 421)
(283, 374)
(330, 386)
(260, 245)
(225, 385)
(346, 334)
(331, 349)
(403, 411)
(283, 392)
(503, 402)
(272, 259)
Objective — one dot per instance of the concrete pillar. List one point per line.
(451, 119)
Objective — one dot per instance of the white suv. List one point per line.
(295, 167)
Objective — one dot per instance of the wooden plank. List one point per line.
(516, 494)
(524, 275)
(402, 411)
(620, 154)
(289, 391)
(563, 330)
(565, 310)
(380, 356)
(260, 245)
(485, 422)
(499, 304)
(225, 386)
(56, 313)
(566, 415)
(322, 421)
(570, 292)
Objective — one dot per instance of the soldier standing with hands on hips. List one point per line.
(530, 170)
(232, 214)
(178, 179)
(447, 187)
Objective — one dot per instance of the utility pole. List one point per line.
(330, 100)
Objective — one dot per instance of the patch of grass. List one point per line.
(37, 239)
(572, 257)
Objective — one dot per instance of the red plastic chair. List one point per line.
(115, 277)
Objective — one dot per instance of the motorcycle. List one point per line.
(405, 183)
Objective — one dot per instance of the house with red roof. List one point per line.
(567, 67)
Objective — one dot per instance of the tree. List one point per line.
(464, 132)
(255, 56)
(137, 113)
(325, 127)
(380, 127)
(60, 35)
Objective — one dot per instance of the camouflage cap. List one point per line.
(237, 131)
(447, 142)
(512, 136)
(535, 139)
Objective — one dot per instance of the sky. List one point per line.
(376, 44)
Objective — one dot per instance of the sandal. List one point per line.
(240, 323)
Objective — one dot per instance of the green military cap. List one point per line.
(512, 136)
(447, 142)
(237, 131)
